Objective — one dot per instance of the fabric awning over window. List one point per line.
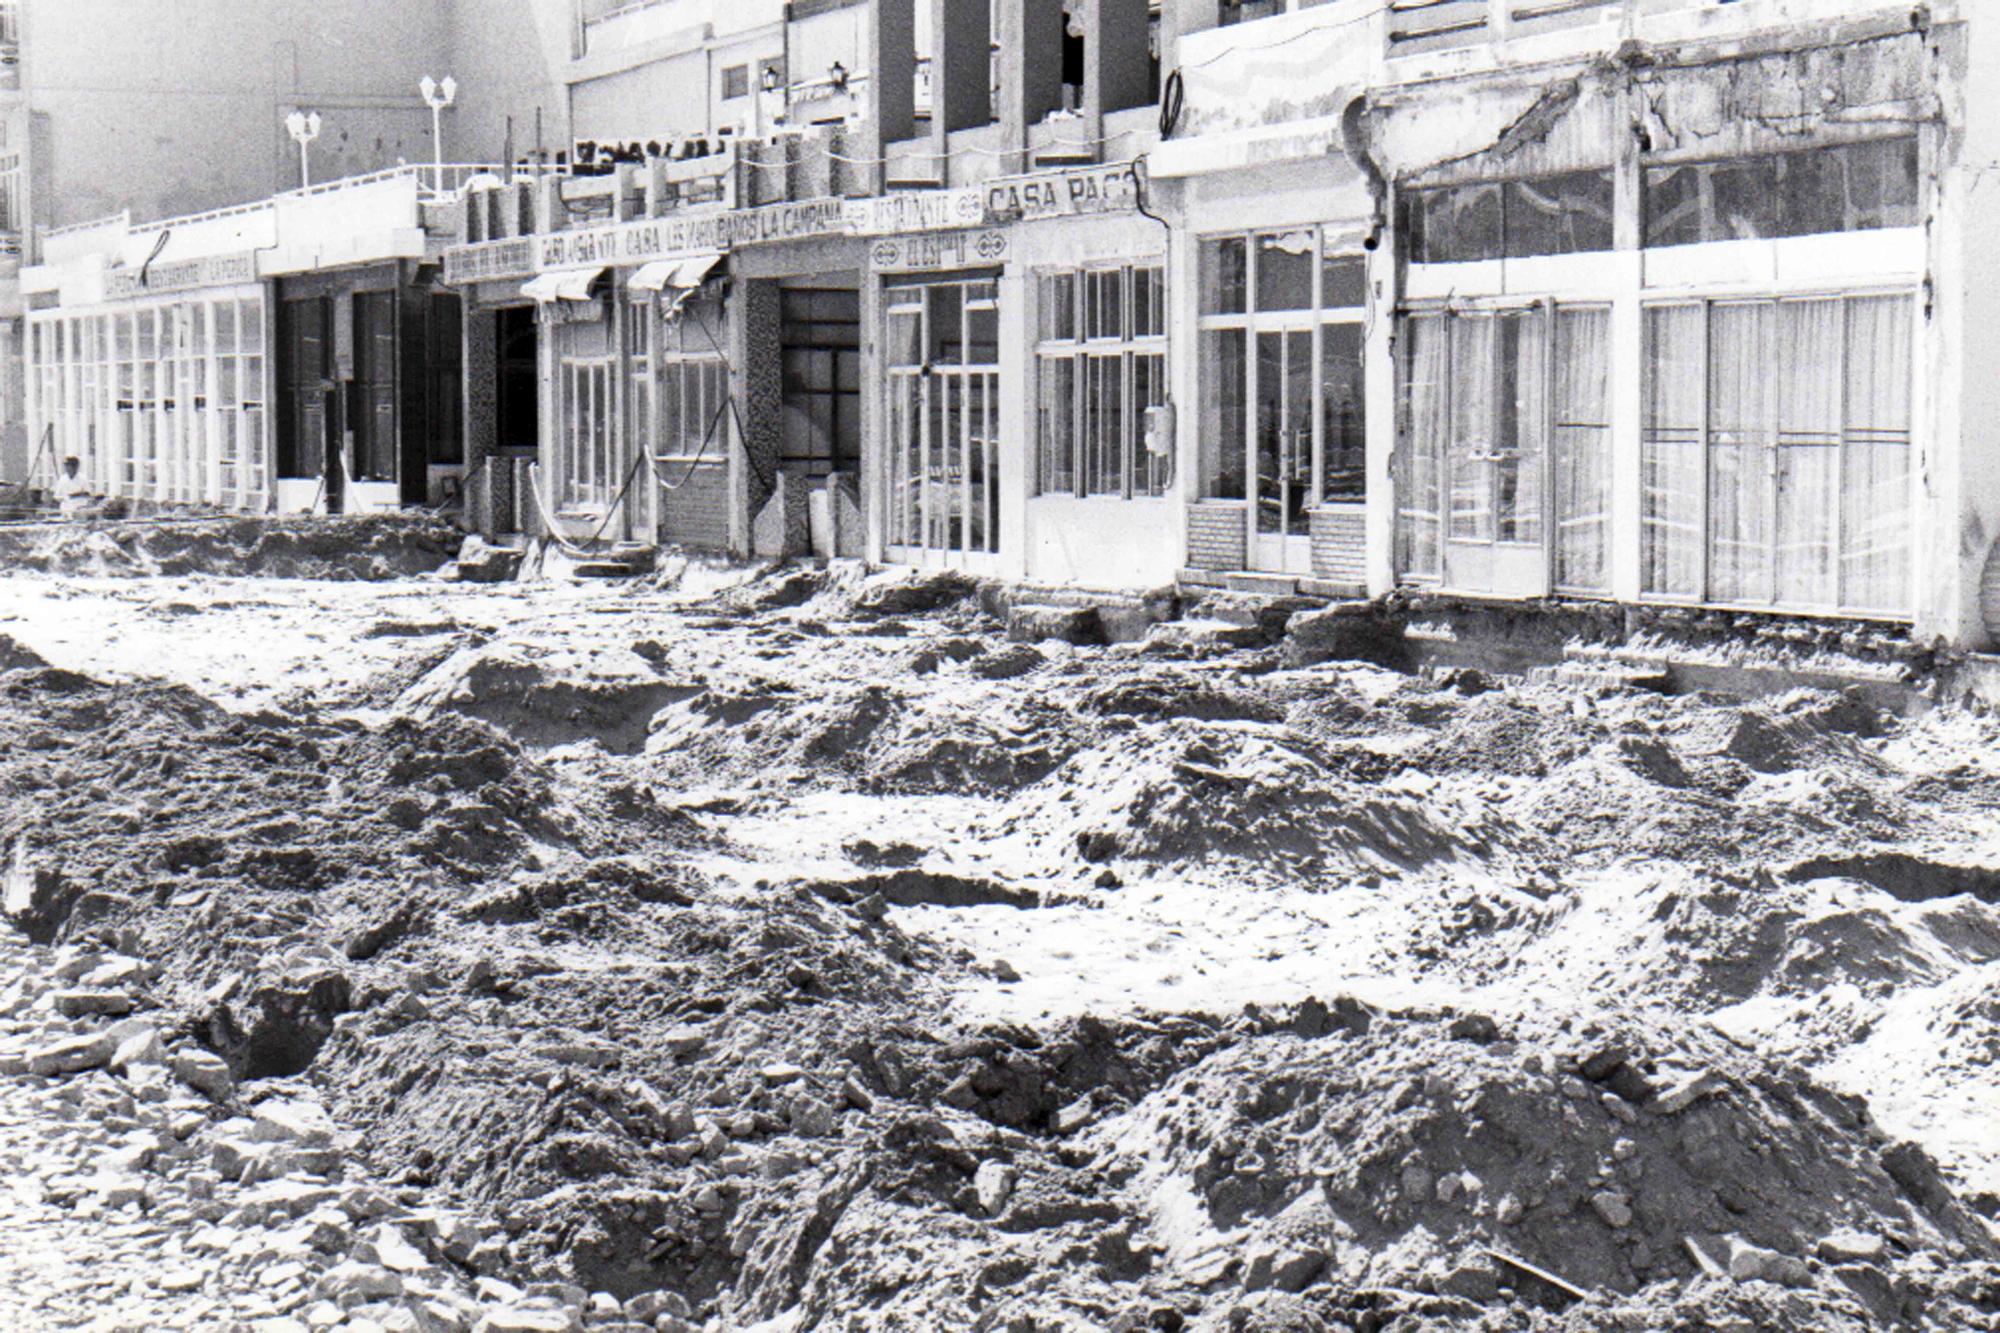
(691, 273)
(675, 274)
(565, 285)
(654, 276)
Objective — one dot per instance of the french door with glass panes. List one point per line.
(942, 390)
(1281, 324)
(1505, 450)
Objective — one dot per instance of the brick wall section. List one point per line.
(697, 514)
(1340, 545)
(1216, 539)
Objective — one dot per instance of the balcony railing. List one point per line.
(1439, 25)
(435, 184)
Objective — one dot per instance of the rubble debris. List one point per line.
(771, 981)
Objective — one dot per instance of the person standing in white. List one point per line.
(72, 492)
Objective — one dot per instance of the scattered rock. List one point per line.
(351, 1283)
(1687, 1092)
(528, 1319)
(303, 1123)
(88, 1003)
(1064, 624)
(204, 1071)
(141, 1048)
(1613, 1206)
(994, 1183)
(479, 562)
(1749, 1263)
(1847, 1246)
(72, 1054)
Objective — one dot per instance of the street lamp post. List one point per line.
(304, 127)
(438, 96)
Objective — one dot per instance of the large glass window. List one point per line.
(1776, 453)
(1565, 214)
(586, 364)
(1283, 397)
(1505, 429)
(1843, 187)
(693, 408)
(1101, 363)
(160, 402)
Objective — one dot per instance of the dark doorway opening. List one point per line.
(822, 380)
(375, 386)
(308, 418)
(518, 410)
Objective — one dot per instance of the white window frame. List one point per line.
(1731, 294)
(1127, 347)
(1313, 318)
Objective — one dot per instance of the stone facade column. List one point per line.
(1179, 18)
(479, 390)
(757, 381)
(892, 78)
(961, 73)
(1031, 39)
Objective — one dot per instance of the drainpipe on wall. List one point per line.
(1379, 350)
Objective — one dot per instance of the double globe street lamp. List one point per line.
(438, 96)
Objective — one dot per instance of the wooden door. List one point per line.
(375, 436)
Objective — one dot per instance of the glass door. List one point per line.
(1496, 456)
(942, 412)
(1284, 439)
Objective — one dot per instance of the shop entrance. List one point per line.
(1495, 532)
(518, 407)
(308, 421)
(1281, 542)
(943, 423)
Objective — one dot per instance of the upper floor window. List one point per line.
(735, 82)
(1564, 214)
(1842, 187)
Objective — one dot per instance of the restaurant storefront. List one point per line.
(157, 381)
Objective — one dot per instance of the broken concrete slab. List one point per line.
(1065, 624)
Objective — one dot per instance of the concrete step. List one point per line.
(1267, 585)
(1202, 635)
(604, 569)
(1033, 622)
(1122, 617)
(1267, 615)
(1606, 674)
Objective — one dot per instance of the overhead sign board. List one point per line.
(917, 210)
(632, 242)
(978, 211)
(181, 275)
(1061, 194)
(930, 251)
(490, 261)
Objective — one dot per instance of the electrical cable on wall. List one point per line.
(769, 483)
(1173, 99)
(145, 269)
(701, 455)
